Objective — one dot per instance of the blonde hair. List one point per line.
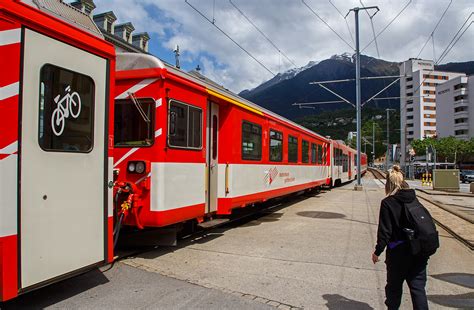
(395, 181)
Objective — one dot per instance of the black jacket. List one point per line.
(392, 219)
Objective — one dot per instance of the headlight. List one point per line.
(137, 167)
(140, 167)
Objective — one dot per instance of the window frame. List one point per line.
(93, 107)
(152, 120)
(242, 141)
(303, 141)
(270, 145)
(288, 151)
(170, 101)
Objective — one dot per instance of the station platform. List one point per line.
(309, 252)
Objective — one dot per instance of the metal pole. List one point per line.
(356, 12)
(388, 138)
(373, 142)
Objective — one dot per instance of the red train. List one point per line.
(88, 134)
(186, 148)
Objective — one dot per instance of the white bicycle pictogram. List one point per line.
(70, 104)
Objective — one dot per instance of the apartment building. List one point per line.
(418, 109)
(455, 108)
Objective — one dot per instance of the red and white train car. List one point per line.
(187, 148)
(55, 211)
(344, 163)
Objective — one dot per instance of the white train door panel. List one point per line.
(213, 164)
(62, 159)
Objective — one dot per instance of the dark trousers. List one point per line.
(402, 266)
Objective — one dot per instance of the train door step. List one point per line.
(213, 223)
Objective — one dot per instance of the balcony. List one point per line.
(461, 102)
(461, 114)
(459, 126)
(460, 91)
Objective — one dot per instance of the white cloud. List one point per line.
(294, 29)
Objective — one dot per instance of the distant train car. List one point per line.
(54, 153)
(344, 163)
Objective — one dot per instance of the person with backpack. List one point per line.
(408, 232)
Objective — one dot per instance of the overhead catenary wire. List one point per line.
(345, 20)
(332, 29)
(261, 32)
(436, 27)
(230, 38)
(386, 26)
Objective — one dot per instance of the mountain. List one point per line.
(464, 67)
(279, 93)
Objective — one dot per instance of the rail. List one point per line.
(381, 177)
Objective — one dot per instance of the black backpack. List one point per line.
(423, 236)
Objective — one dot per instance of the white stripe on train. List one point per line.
(11, 36)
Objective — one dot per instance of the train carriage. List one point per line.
(201, 150)
(54, 150)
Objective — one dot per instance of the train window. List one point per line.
(320, 154)
(292, 149)
(276, 145)
(66, 110)
(345, 163)
(214, 137)
(184, 125)
(304, 151)
(134, 122)
(251, 141)
(313, 153)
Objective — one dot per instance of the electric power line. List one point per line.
(437, 24)
(229, 37)
(345, 19)
(320, 18)
(385, 28)
(261, 32)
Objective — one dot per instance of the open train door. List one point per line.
(63, 161)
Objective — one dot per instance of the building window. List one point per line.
(429, 124)
(304, 151)
(460, 132)
(460, 109)
(459, 86)
(460, 120)
(134, 122)
(185, 125)
(461, 97)
(409, 86)
(409, 94)
(410, 117)
(429, 92)
(251, 141)
(409, 124)
(410, 133)
(276, 145)
(313, 153)
(66, 110)
(410, 110)
(292, 149)
(409, 79)
(429, 100)
(428, 108)
(109, 26)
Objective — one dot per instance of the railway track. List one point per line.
(381, 177)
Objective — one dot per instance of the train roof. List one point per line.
(135, 61)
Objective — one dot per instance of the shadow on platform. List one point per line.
(339, 302)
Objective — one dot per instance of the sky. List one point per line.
(297, 35)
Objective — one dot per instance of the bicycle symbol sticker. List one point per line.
(70, 104)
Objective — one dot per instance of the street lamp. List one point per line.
(388, 137)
